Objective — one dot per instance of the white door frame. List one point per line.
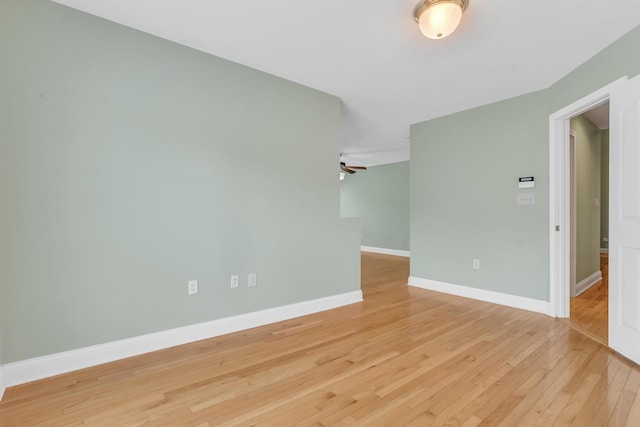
(559, 197)
(573, 197)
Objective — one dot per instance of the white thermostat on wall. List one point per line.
(526, 182)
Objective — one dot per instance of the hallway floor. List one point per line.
(590, 310)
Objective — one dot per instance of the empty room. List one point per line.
(297, 213)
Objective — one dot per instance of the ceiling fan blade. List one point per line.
(347, 170)
(356, 167)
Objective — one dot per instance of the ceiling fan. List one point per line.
(350, 169)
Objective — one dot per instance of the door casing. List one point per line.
(559, 196)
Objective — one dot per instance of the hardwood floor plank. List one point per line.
(552, 412)
(634, 412)
(511, 409)
(623, 408)
(402, 357)
(577, 401)
(500, 391)
(590, 310)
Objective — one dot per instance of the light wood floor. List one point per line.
(403, 357)
(590, 310)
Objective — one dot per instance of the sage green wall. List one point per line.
(604, 191)
(135, 164)
(4, 236)
(588, 165)
(614, 62)
(463, 172)
(464, 183)
(4, 254)
(379, 197)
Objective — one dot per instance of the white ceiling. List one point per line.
(373, 56)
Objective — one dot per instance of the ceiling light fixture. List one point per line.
(439, 18)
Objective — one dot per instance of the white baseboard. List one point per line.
(385, 251)
(2, 383)
(24, 371)
(514, 301)
(588, 282)
(604, 250)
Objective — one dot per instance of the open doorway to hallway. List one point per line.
(623, 96)
(589, 175)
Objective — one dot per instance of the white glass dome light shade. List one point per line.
(438, 19)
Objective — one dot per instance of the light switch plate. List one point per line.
(253, 280)
(526, 199)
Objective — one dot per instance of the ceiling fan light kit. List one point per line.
(439, 18)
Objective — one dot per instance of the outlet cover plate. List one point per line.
(193, 287)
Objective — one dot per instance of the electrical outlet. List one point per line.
(476, 264)
(235, 279)
(193, 287)
(253, 280)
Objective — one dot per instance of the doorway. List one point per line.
(623, 96)
(559, 196)
(588, 165)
